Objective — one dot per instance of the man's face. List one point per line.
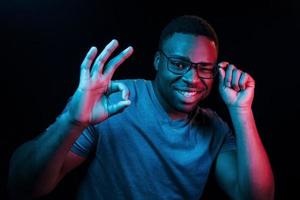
(182, 93)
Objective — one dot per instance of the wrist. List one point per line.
(239, 110)
(67, 118)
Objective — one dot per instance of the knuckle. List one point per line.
(109, 50)
(102, 57)
(236, 71)
(90, 57)
(230, 67)
(101, 61)
(224, 64)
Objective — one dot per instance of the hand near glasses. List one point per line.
(89, 104)
(235, 86)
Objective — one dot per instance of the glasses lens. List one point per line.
(207, 73)
(178, 66)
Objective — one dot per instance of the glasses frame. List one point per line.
(214, 71)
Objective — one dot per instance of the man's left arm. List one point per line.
(245, 173)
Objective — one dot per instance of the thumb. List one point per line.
(116, 108)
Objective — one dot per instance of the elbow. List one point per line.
(266, 189)
(20, 186)
(19, 181)
(258, 191)
(262, 194)
(23, 173)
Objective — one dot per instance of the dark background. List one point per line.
(43, 43)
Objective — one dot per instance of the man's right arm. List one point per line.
(38, 165)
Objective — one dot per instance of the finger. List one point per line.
(223, 64)
(87, 62)
(118, 86)
(221, 76)
(236, 74)
(117, 61)
(116, 108)
(103, 57)
(228, 75)
(250, 81)
(221, 67)
(242, 81)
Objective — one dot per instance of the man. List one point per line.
(151, 139)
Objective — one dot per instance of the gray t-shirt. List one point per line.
(142, 153)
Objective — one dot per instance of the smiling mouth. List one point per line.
(188, 93)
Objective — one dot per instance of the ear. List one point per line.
(156, 60)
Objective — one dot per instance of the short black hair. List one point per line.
(189, 24)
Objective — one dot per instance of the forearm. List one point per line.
(37, 163)
(255, 173)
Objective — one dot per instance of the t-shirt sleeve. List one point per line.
(85, 143)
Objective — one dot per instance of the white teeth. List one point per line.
(187, 94)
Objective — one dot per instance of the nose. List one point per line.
(191, 76)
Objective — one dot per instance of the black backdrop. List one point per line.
(43, 43)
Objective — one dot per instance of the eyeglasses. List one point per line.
(179, 66)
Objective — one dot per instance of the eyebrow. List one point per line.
(187, 59)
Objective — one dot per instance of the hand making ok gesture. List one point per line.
(89, 104)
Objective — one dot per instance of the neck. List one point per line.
(178, 115)
(173, 114)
